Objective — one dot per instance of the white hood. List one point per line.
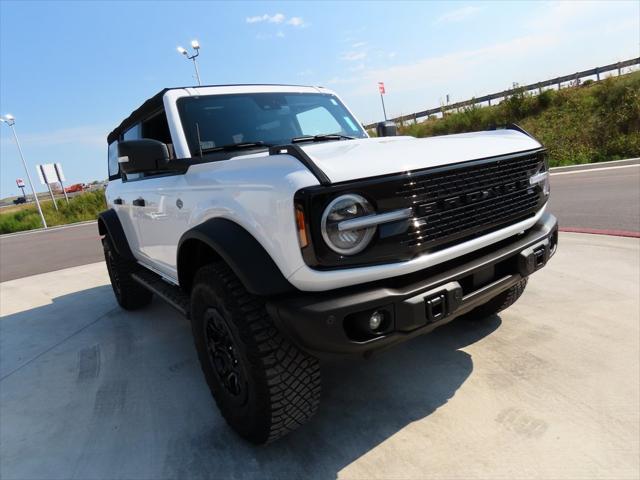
(370, 157)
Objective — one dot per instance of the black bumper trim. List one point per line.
(417, 303)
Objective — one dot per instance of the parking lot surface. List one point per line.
(549, 389)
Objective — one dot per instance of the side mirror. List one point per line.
(144, 155)
(386, 129)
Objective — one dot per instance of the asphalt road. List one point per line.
(29, 253)
(599, 197)
(548, 389)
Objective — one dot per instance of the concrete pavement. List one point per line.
(549, 389)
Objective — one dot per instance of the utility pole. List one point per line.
(11, 121)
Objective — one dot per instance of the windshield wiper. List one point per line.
(236, 146)
(320, 138)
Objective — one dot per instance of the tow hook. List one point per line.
(534, 257)
(442, 301)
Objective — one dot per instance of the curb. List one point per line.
(595, 231)
(50, 229)
(589, 166)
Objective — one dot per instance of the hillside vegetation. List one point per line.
(80, 208)
(594, 122)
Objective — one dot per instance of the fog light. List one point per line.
(376, 320)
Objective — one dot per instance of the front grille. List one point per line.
(451, 204)
(472, 200)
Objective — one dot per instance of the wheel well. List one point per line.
(222, 239)
(193, 254)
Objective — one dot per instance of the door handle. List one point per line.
(139, 202)
(118, 201)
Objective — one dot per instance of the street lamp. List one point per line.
(196, 47)
(11, 121)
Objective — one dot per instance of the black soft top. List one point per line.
(143, 111)
(155, 103)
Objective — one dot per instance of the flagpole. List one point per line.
(383, 109)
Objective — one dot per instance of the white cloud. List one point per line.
(280, 34)
(353, 56)
(275, 18)
(440, 69)
(359, 45)
(296, 22)
(458, 14)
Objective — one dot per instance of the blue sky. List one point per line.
(70, 71)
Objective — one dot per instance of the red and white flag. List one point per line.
(381, 88)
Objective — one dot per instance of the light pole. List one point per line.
(196, 47)
(11, 121)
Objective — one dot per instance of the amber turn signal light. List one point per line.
(303, 238)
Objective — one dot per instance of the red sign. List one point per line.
(381, 88)
(20, 182)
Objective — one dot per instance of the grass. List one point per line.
(594, 122)
(80, 208)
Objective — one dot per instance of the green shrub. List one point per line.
(595, 122)
(81, 208)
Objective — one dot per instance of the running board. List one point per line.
(171, 294)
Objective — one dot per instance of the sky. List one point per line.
(71, 71)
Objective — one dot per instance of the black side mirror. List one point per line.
(144, 155)
(386, 129)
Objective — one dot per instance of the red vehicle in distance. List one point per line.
(78, 187)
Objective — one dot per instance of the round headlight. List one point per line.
(346, 207)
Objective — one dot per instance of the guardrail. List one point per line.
(528, 88)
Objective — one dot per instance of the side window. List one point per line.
(114, 167)
(154, 127)
(317, 121)
(157, 128)
(133, 133)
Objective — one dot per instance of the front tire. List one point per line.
(129, 293)
(263, 385)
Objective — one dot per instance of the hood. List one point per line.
(370, 157)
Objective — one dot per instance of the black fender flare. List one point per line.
(109, 225)
(246, 257)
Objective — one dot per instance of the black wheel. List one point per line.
(264, 385)
(499, 302)
(129, 293)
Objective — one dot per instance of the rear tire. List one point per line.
(500, 302)
(264, 386)
(129, 293)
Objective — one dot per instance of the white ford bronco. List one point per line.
(268, 216)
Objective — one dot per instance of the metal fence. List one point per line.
(575, 77)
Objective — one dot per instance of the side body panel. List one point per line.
(254, 191)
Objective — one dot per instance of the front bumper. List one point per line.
(336, 322)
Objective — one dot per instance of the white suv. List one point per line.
(268, 216)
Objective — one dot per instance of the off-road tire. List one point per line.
(281, 386)
(129, 293)
(500, 302)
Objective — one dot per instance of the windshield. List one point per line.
(214, 121)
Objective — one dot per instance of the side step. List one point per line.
(168, 292)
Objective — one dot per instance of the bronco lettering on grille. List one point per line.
(469, 198)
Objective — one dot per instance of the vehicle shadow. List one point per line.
(364, 403)
(125, 391)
